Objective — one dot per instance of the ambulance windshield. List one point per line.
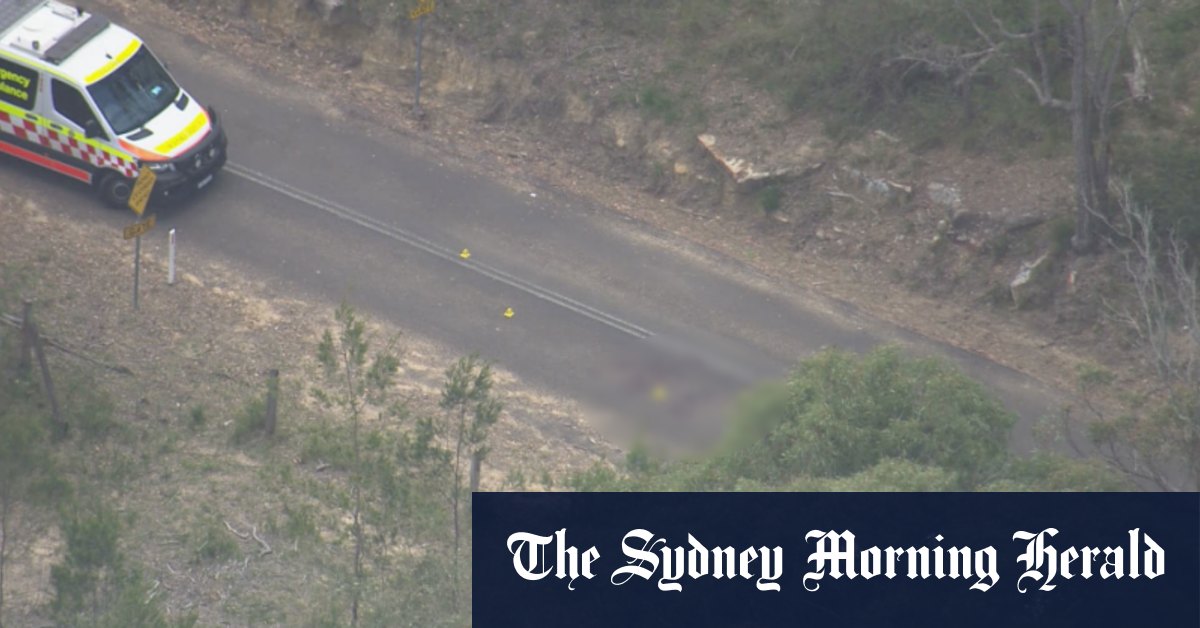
(135, 92)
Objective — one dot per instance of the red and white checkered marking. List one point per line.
(27, 130)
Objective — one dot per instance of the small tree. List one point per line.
(1156, 437)
(1096, 33)
(94, 586)
(20, 439)
(24, 458)
(471, 410)
(356, 380)
(90, 569)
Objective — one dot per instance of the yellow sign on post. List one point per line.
(141, 191)
(139, 228)
(424, 7)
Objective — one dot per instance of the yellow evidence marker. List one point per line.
(466, 254)
(508, 313)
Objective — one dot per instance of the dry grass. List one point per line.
(201, 348)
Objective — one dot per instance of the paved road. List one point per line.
(606, 311)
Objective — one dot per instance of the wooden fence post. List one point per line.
(272, 400)
(34, 338)
(25, 362)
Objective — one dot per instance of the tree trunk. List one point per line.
(356, 486)
(272, 401)
(476, 469)
(358, 531)
(1082, 135)
(968, 103)
(462, 426)
(25, 362)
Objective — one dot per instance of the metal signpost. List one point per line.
(424, 7)
(137, 202)
(171, 257)
(137, 229)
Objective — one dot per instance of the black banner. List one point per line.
(848, 559)
(18, 84)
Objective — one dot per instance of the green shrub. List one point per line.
(250, 421)
(301, 522)
(999, 294)
(198, 418)
(1174, 34)
(214, 543)
(94, 584)
(515, 480)
(658, 102)
(1062, 229)
(88, 409)
(1165, 181)
(323, 443)
(770, 199)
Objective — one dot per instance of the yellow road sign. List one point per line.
(141, 191)
(424, 7)
(139, 228)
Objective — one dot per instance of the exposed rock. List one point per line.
(963, 219)
(740, 169)
(579, 110)
(328, 8)
(947, 196)
(884, 188)
(880, 133)
(1021, 285)
(662, 150)
(836, 193)
(878, 186)
(801, 161)
(626, 130)
(1022, 222)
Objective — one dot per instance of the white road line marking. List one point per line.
(341, 211)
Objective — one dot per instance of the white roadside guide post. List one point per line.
(171, 257)
(137, 202)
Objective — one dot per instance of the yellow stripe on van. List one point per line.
(107, 68)
(188, 131)
(48, 69)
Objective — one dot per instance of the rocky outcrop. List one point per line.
(797, 161)
(327, 9)
(1022, 286)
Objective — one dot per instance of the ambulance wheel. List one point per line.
(115, 189)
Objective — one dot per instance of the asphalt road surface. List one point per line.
(655, 332)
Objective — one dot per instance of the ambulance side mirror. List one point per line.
(91, 129)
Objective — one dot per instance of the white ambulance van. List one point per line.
(86, 98)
